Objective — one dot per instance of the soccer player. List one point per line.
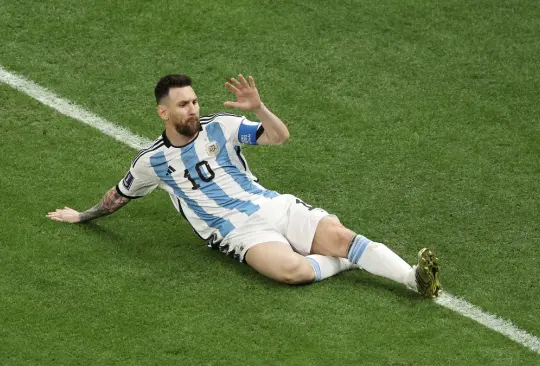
(199, 162)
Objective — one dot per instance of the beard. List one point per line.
(189, 128)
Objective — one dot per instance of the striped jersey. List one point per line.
(208, 179)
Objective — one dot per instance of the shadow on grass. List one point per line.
(382, 286)
(100, 231)
(192, 251)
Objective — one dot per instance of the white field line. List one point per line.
(74, 111)
(491, 321)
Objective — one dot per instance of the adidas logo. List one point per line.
(170, 170)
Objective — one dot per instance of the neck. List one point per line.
(177, 139)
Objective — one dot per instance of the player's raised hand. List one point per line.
(65, 214)
(246, 93)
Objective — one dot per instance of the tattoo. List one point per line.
(111, 202)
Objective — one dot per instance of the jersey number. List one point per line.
(203, 171)
(299, 201)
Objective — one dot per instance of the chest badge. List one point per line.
(212, 148)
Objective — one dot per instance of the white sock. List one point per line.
(325, 267)
(378, 259)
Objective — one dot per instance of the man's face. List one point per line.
(181, 109)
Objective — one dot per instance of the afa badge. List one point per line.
(212, 148)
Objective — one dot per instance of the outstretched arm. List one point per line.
(111, 202)
(247, 95)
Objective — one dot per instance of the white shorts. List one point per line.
(284, 219)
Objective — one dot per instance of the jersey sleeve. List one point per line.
(240, 130)
(138, 181)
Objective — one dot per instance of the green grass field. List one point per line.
(417, 122)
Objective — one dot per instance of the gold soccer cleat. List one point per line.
(427, 274)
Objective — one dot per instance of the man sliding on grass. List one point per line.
(199, 162)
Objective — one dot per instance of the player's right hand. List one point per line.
(65, 214)
(246, 94)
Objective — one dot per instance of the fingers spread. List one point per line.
(236, 83)
(243, 80)
(232, 88)
(252, 81)
(231, 104)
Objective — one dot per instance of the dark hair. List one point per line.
(170, 81)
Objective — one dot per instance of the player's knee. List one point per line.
(331, 238)
(293, 271)
(341, 236)
(333, 232)
(345, 235)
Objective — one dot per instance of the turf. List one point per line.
(416, 122)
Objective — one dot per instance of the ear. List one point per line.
(163, 112)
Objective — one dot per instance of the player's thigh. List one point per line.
(279, 262)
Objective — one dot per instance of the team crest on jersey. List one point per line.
(212, 148)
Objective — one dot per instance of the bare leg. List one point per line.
(279, 262)
(334, 239)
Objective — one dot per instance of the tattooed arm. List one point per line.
(111, 202)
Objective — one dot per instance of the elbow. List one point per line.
(280, 140)
(285, 137)
(275, 137)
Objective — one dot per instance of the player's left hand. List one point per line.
(246, 94)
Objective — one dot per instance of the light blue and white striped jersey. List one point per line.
(208, 179)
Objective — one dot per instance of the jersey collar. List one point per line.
(168, 143)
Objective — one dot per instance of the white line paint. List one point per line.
(72, 110)
(491, 321)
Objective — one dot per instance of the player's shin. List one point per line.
(325, 267)
(380, 260)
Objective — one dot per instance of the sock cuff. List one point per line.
(357, 248)
(316, 268)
